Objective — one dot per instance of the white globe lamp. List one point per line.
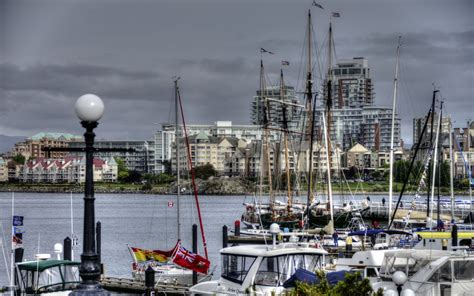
(399, 278)
(408, 292)
(89, 108)
(390, 293)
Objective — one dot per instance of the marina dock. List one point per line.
(132, 286)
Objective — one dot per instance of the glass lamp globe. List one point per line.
(89, 108)
(399, 278)
(408, 292)
(390, 293)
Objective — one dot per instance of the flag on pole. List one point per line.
(285, 63)
(142, 255)
(17, 221)
(317, 5)
(17, 240)
(263, 50)
(189, 260)
(336, 14)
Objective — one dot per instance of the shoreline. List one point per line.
(169, 191)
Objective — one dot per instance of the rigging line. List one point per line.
(193, 176)
(315, 45)
(300, 67)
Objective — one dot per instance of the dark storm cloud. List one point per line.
(128, 51)
(71, 80)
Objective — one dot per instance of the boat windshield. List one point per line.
(464, 270)
(51, 279)
(236, 267)
(274, 271)
(408, 265)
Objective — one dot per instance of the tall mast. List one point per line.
(329, 115)
(430, 147)
(329, 90)
(285, 134)
(309, 96)
(434, 169)
(451, 171)
(394, 105)
(177, 136)
(326, 142)
(439, 163)
(469, 168)
(266, 145)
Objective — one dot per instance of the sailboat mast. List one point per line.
(329, 92)
(285, 139)
(266, 145)
(12, 255)
(434, 170)
(392, 134)
(439, 166)
(177, 134)
(451, 170)
(430, 147)
(310, 131)
(326, 142)
(469, 168)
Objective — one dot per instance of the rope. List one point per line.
(190, 163)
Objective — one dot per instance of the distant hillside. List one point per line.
(7, 142)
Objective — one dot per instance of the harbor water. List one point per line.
(139, 220)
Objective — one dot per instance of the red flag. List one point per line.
(189, 260)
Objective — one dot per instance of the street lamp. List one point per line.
(89, 108)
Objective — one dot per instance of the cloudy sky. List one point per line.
(127, 51)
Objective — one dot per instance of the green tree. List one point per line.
(134, 177)
(19, 159)
(122, 170)
(352, 285)
(205, 171)
(400, 170)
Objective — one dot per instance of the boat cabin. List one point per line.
(431, 272)
(46, 276)
(261, 269)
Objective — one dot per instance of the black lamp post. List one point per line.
(89, 108)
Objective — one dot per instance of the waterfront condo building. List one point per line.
(354, 117)
(70, 169)
(264, 107)
(142, 159)
(33, 146)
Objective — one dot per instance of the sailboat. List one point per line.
(325, 214)
(177, 265)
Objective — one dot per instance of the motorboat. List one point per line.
(47, 277)
(427, 272)
(261, 269)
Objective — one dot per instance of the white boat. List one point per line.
(427, 272)
(368, 263)
(47, 277)
(168, 273)
(261, 270)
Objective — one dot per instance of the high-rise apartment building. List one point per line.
(276, 112)
(352, 86)
(354, 117)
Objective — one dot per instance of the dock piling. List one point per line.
(67, 252)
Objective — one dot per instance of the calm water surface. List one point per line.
(139, 220)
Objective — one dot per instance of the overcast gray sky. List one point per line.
(53, 51)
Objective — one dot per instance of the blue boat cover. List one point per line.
(371, 232)
(303, 275)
